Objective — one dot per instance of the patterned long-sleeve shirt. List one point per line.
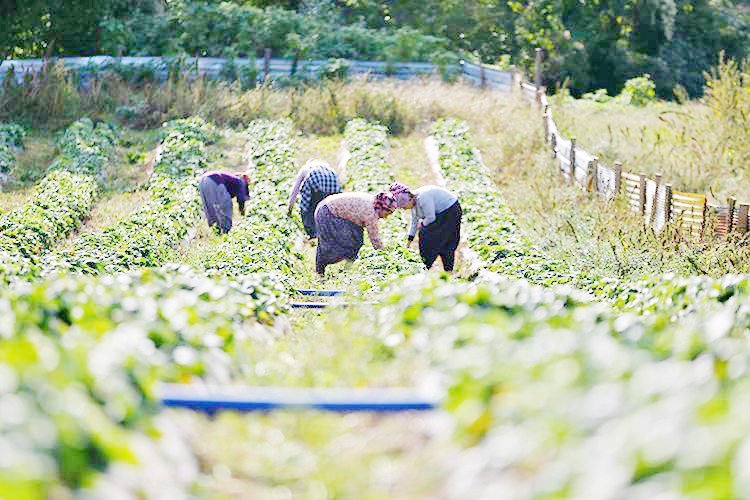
(314, 175)
(357, 208)
(431, 201)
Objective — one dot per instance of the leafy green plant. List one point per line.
(149, 235)
(11, 140)
(334, 69)
(90, 410)
(638, 91)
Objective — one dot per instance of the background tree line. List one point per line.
(588, 45)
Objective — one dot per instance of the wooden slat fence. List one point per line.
(651, 199)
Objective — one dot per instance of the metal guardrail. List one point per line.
(211, 67)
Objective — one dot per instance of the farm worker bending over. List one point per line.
(315, 181)
(341, 219)
(436, 215)
(217, 190)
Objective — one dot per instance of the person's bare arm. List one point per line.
(372, 233)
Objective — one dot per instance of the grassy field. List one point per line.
(551, 393)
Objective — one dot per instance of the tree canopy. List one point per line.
(590, 44)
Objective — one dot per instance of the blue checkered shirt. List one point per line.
(322, 179)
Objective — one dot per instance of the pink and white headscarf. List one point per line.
(385, 204)
(402, 195)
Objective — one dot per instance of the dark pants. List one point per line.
(441, 237)
(308, 219)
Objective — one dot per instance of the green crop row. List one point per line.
(11, 139)
(488, 225)
(555, 396)
(80, 362)
(263, 241)
(182, 151)
(149, 235)
(57, 207)
(367, 169)
(85, 147)
(59, 203)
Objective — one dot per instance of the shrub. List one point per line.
(334, 69)
(599, 95)
(638, 91)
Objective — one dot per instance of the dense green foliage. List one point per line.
(549, 393)
(149, 235)
(11, 140)
(586, 403)
(587, 46)
(81, 359)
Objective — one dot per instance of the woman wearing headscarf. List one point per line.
(315, 180)
(341, 219)
(436, 216)
(217, 190)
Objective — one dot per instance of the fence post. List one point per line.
(295, 60)
(730, 217)
(553, 143)
(642, 189)
(705, 216)
(595, 178)
(545, 117)
(657, 180)
(618, 176)
(538, 67)
(668, 205)
(742, 218)
(482, 81)
(591, 175)
(572, 173)
(266, 64)
(513, 77)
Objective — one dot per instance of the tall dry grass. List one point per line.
(698, 146)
